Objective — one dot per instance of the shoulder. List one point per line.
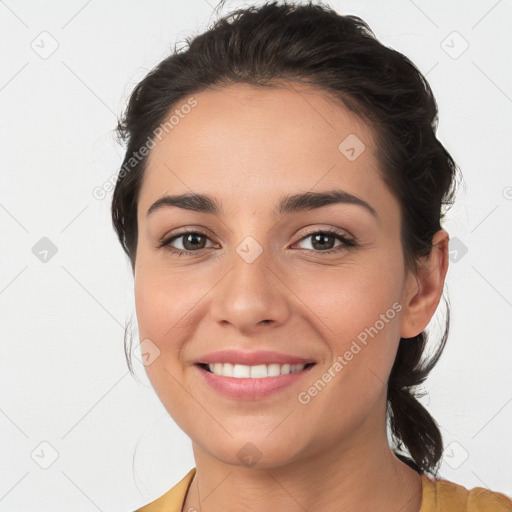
(441, 495)
(173, 499)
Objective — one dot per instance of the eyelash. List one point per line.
(347, 242)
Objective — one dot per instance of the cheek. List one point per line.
(152, 306)
(164, 313)
(362, 315)
(352, 298)
(360, 311)
(166, 301)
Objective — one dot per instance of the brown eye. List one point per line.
(325, 240)
(191, 241)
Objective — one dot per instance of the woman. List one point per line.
(281, 201)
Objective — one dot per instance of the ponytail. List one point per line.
(411, 424)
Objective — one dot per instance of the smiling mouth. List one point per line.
(260, 371)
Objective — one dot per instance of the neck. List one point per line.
(360, 473)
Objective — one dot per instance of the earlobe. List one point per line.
(425, 288)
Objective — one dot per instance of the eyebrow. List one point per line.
(288, 204)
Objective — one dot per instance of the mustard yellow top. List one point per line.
(438, 496)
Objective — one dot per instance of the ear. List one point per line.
(424, 289)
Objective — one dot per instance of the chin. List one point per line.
(258, 451)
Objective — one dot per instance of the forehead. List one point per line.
(255, 143)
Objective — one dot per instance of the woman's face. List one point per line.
(256, 279)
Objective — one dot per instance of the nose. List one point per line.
(251, 296)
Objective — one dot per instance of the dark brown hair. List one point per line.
(311, 43)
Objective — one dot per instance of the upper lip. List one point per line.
(235, 356)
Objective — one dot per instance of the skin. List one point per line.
(247, 147)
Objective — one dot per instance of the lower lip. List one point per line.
(250, 389)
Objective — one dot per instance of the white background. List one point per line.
(64, 379)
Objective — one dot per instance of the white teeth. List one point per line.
(260, 371)
(274, 370)
(227, 369)
(241, 371)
